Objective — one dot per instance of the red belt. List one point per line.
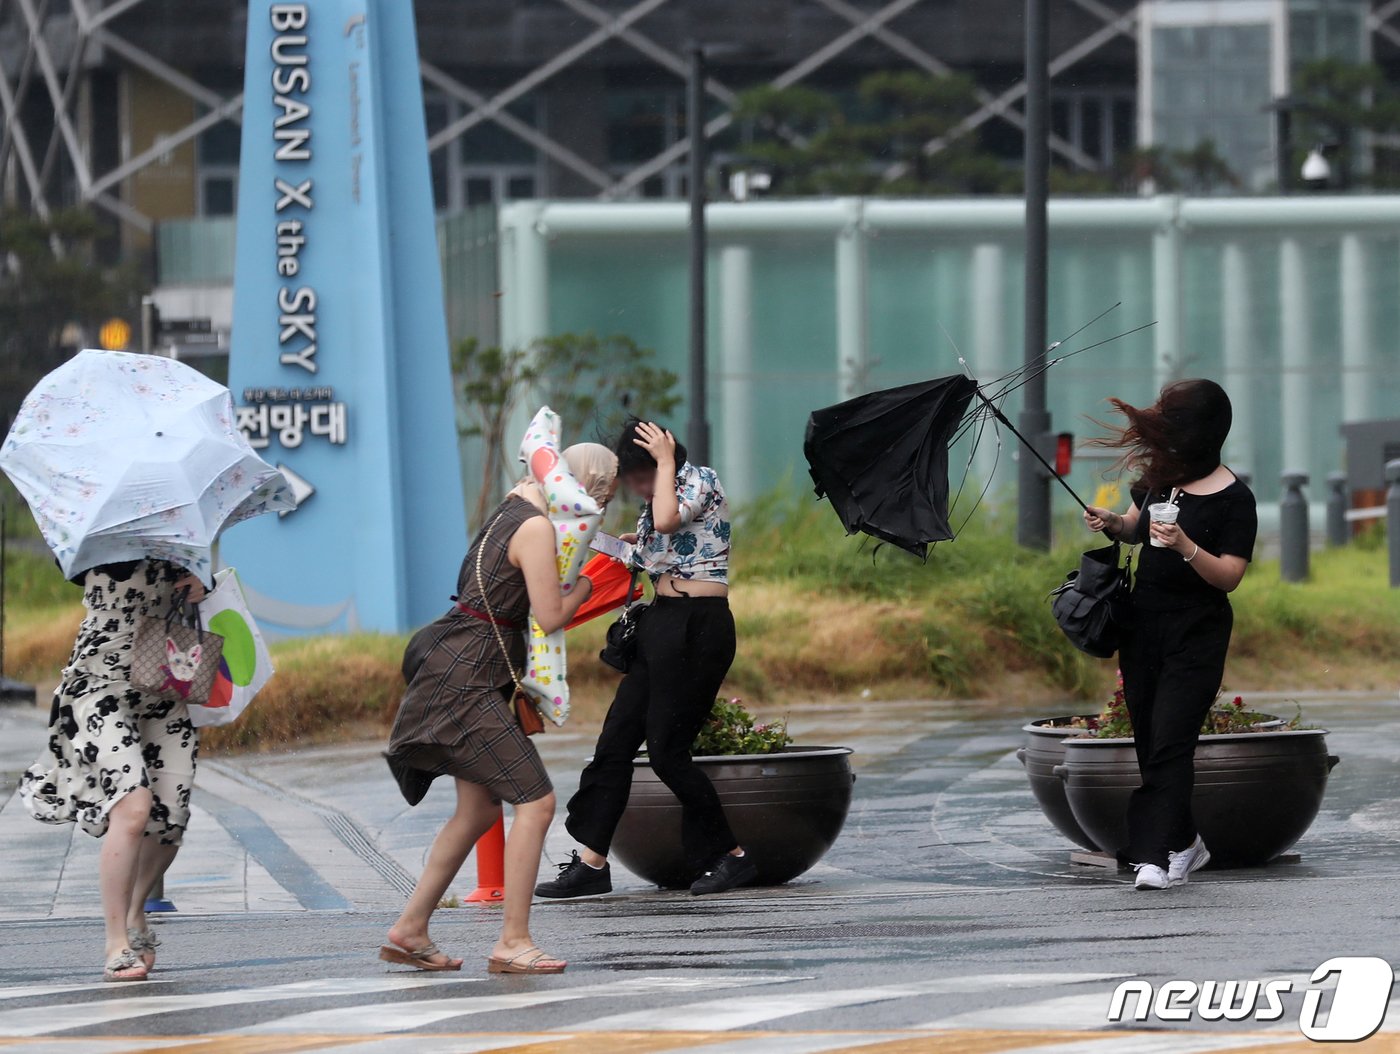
(481, 616)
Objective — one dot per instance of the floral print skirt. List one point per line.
(106, 739)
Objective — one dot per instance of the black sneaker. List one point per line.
(577, 879)
(726, 873)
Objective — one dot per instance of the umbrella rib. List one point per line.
(1026, 367)
(1027, 377)
(1017, 378)
(1034, 452)
(967, 468)
(987, 486)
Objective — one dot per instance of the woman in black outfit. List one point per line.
(685, 645)
(1173, 654)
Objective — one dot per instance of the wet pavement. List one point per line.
(948, 914)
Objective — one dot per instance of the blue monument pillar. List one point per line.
(339, 361)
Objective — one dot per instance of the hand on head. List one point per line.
(657, 442)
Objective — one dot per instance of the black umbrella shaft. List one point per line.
(996, 410)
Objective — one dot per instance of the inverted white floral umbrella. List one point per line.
(129, 457)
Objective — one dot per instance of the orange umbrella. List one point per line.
(610, 579)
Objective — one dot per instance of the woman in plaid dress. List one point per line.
(457, 717)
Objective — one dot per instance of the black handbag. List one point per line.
(620, 649)
(1092, 607)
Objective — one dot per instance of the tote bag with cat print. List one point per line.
(175, 659)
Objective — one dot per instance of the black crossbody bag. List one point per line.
(1092, 605)
(620, 650)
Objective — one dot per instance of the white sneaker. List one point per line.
(1187, 861)
(1150, 876)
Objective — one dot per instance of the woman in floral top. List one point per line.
(698, 550)
(685, 645)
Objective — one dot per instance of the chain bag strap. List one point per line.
(526, 712)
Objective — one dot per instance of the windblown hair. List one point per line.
(1176, 440)
(633, 458)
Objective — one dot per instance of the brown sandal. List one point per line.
(391, 953)
(124, 967)
(144, 943)
(494, 965)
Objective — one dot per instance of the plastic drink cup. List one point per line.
(1163, 512)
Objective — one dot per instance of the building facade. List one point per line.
(133, 107)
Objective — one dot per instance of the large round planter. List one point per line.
(786, 809)
(1043, 752)
(1256, 793)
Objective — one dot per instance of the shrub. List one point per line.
(731, 729)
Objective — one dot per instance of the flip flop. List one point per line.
(494, 965)
(120, 964)
(391, 953)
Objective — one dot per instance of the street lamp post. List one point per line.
(698, 432)
(1033, 507)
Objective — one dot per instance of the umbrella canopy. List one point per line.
(128, 457)
(882, 459)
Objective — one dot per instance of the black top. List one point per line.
(1223, 524)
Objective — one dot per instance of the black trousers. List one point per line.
(1173, 663)
(684, 650)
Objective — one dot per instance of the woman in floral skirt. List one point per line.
(120, 762)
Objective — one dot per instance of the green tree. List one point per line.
(49, 280)
(1200, 170)
(1343, 106)
(491, 384)
(594, 383)
(875, 142)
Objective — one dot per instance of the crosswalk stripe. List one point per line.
(895, 1042)
(1158, 1043)
(1084, 1012)
(796, 1043)
(89, 1046)
(39, 991)
(43, 1020)
(401, 1017)
(725, 1014)
(426, 1044)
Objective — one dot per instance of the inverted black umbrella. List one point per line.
(882, 458)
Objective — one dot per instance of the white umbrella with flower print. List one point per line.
(128, 457)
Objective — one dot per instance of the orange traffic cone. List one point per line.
(491, 866)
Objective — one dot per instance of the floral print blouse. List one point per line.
(698, 550)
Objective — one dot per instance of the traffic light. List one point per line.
(1064, 453)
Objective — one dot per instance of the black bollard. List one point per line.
(1293, 528)
(1338, 530)
(1392, 519)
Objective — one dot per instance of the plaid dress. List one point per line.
(456, 718)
